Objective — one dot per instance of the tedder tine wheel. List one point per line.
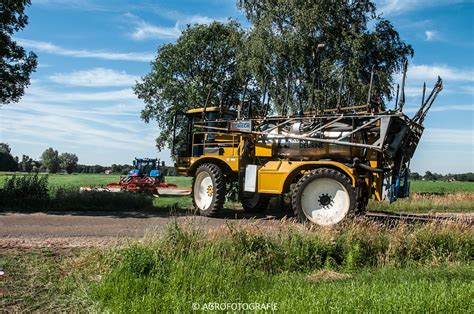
(324, 197)
(209, 189)
(256, 203)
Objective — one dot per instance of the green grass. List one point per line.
(373, 268)
(450, 203)
(410, 269)
(75, 181)
(36, 280)
(64, 194)
(440, 187)
(435, 196)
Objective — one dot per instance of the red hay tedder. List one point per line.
(145, 177)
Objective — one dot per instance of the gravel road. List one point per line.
(89, 229)
(84, 229)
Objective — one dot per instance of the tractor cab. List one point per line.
(200, 138)
(145, 167)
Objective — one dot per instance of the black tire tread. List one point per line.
(219, 190)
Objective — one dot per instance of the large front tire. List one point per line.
(324, 197)
(209, 189)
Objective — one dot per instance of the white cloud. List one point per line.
(200, 19)
(393, 7)
(425, 72)
(449, 136)
(145, 30)
(83, 53)
(97, 77)
(431, 35)
(86, 122)
(84, 5)
(443, 108)
(40, 94)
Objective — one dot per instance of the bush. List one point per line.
(63, 199)
(30, 192)
(24, 192)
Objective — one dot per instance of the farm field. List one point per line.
(74, 181)
(427, 196)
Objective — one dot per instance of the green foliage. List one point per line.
(275, 61)
(50, 160)
(7, 161)
(25, 192)
(32, 192)
(63, 200)
(15, 65)
(200, 64)
(430, 176)
(282, 51)
(256, 267)
(27, 164)
(68, 162)
(79, 280)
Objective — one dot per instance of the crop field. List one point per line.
(426, 196)
(75, 181)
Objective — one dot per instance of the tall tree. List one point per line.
(283, 52)
(26, 164)
(7, 161)
(68, 162)
(16, 64)
(292, 56)
(186, 74)
(50, 160)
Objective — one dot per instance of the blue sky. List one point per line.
(91, 53)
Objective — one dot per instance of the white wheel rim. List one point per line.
(325, 201)
(203, 190)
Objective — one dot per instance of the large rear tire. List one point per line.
(324, 197)
(258, 203)
(209, 189)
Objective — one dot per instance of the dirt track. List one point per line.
(84, 229)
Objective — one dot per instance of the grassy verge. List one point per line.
(39, 280)
(418, 203)
(355, 267)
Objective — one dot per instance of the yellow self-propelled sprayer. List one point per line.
(330, 162)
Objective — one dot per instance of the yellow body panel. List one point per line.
(273, 175)
(263, 150)
(232, 162)
(377, 182)
(199, 110)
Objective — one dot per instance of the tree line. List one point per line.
(53, 162)
(430, 176)
(50, 161)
